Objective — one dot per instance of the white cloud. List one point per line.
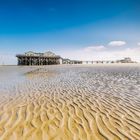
(94, 48)
(138, 43)
(8, 59)
(133, 53)
(117, 43)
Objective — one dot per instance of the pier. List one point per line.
(32, 58)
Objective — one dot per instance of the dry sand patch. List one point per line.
(72, 103)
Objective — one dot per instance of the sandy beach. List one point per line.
(83, 102)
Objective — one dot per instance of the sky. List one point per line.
(75, 29)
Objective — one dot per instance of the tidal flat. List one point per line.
(70, 102)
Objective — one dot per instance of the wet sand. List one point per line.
(96, 102)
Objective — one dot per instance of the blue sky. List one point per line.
(78, 29)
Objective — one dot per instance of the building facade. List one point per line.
(126, 60)
(32, 58)
(68, 61)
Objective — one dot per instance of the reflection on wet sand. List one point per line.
(71, 103)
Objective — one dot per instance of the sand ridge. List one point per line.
(76, 103)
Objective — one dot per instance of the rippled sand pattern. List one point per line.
(72, 103)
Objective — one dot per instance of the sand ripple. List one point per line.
(73, 103)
